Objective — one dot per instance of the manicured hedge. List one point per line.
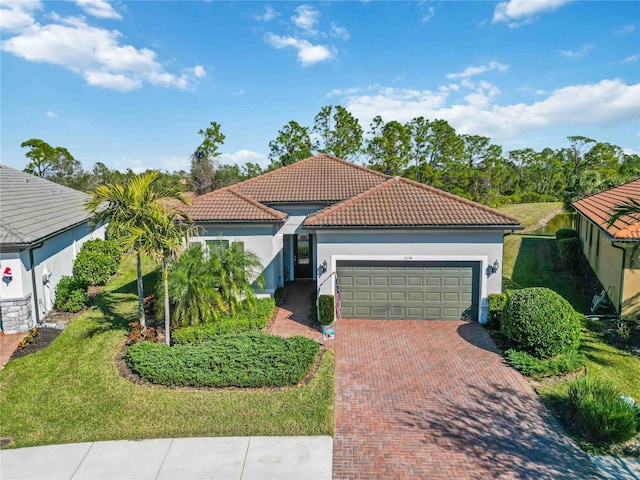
(97, 261)
(71, 294)
(539, 321)
(497, 301)
(570, 251)
(245, 360)
(326, 308)
(566, 233)
(247, 319)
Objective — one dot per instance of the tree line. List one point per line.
(427, 151)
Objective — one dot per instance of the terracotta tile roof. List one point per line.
(323, 178)
(402, 202)
(599, 207)
(230, 206)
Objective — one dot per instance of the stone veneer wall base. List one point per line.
(17, 315)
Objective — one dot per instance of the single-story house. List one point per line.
(42, 227)
(394, 248)
(608, 249)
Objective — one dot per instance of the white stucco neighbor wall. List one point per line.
(55, 256)
(260, 239)
(484, 246)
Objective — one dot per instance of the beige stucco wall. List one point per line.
(631, 293)
(604, 258)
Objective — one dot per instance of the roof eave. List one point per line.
(472, 226)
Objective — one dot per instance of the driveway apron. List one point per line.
(433, 399)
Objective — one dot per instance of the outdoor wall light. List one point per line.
(495, 266)
(323, 267)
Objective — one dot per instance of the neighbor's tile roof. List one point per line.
(599, 207)
(402, 202)
(32, 208)
(323, 178)
(230, 206)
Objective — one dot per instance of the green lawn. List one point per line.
(72, 392)
(531, 213)
(533, 261)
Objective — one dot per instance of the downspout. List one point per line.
(34, 284)
(624, 261)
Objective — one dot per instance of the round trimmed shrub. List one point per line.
(71, 294)
(539, 321)
(97, 261)
(602, 410)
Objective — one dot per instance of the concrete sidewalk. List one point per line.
(232, 458)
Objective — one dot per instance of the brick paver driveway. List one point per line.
(432, 399)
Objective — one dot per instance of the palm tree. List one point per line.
(233, 268)
(130, 211)
(164, 242)
(630, 208)
(191, 292)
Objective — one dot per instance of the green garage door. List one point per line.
(409, 290)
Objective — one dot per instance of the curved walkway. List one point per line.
(228, 458)
(432, 399)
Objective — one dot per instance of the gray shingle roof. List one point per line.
(32, 208)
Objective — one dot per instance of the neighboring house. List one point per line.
(42, 226)
(608, 248)
(399, 249)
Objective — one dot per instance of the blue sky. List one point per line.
(129, 84)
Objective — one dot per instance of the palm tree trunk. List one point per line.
(167, 316)
(140, 292)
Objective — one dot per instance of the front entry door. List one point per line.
(302, 254)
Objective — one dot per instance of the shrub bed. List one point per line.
(97, 261)
(71, 294)
(539, 321)
(245, 320)
(604, 414)
(539, 368)
(245, 360)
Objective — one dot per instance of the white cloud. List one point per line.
(96, 54)
(631, 58)
(243, 156)
(626, 28)
(306, 19)
(607, 103)
(17, 15)
(428, 15)
(629, 151)
(98, 8)
(268, 15)
(51, 114)
(308, 54)
(238, 93)
(339, 32)
(472, 71)
(519, 12)
(581, 52)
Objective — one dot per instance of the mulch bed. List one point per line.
(43, 340)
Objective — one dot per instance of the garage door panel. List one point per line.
(412, 290)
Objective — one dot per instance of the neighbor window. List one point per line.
(217, 245)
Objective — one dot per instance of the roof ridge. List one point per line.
(350, 201)
(459, 199)
(607, 191)
(271, 211)
(304, 161)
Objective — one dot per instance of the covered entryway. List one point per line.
(390, 290)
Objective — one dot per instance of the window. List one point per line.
(216, 245)
(590, 235)
(598, 244)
